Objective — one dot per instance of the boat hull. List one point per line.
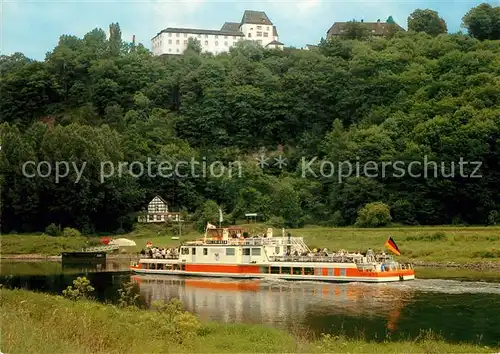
(372, 277)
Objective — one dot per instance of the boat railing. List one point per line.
(170, 256)
(273, 241)
(318, 259)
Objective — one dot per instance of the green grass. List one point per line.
(43, 244)
(40, 323)
(429, 243)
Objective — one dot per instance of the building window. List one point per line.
(249, 35)
(169, 49)
(177, 35)
(225, 43)
(259, 41)
(259, 27)
(267, 28)
(259, 34)
(205, 251)
(177, 42)
(216, 43)
(216, 37)
(185, 42)
(169, 41)
(206, 42)
(185, 35)
(255, 251)
(230, 252)
(266, 34)
(170, 34)
(225, 37)
(206, 36)
(251, 28)
(177, 50)
(246, 251)
(235, 38)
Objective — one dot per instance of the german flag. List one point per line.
(390, 244)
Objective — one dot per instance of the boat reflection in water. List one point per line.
(373, 309)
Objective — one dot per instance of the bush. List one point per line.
(337, 220)
(374, 215)
(129, 295)
(494, 217)
(53, 230)
(70, 232)
(81, 289)
(277, 221)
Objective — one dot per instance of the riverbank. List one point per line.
(433, 246)
(40, 323)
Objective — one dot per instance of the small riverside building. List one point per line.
(158, 212)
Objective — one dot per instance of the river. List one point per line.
(465, 307)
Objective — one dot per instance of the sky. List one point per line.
(33, 27)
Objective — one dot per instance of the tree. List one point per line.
(483, 22)
(427, 21)
(193, 46)
(374, 215)
(355, 30)
(115, 39)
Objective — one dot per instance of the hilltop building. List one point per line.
(377, 29)
(254, 25)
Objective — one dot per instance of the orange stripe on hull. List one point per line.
(223, 268)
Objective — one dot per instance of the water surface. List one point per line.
(460, 311)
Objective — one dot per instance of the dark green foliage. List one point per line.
(411, 98)
(427, 21)
(53, 230)
(483, 22)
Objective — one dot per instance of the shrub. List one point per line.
(70, 232)
(277, 221)
(337, 219)
(81, 289)
(53, 230)
(494, 217)
(374, 215)
(129, 295)
(182, 325)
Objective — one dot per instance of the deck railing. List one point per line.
(318, 259)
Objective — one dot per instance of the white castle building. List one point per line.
(254, 25)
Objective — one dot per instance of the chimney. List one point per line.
(133, 40)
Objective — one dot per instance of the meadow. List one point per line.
(40, 323)
(440, 244)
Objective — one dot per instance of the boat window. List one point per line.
(193, 251)
(319, 271)
(205, 251)
(275, 270)
(264, 270)
(229, 251)
(285, 270)
(184, 250)
(308, 271)
(255, 251)
(330, 272)
(176, 267)
(183, 267)
(342, 272)
(152, 266)
(160, 266)
(297, 271)
(246, 251)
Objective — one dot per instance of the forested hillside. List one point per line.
(407, 98)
